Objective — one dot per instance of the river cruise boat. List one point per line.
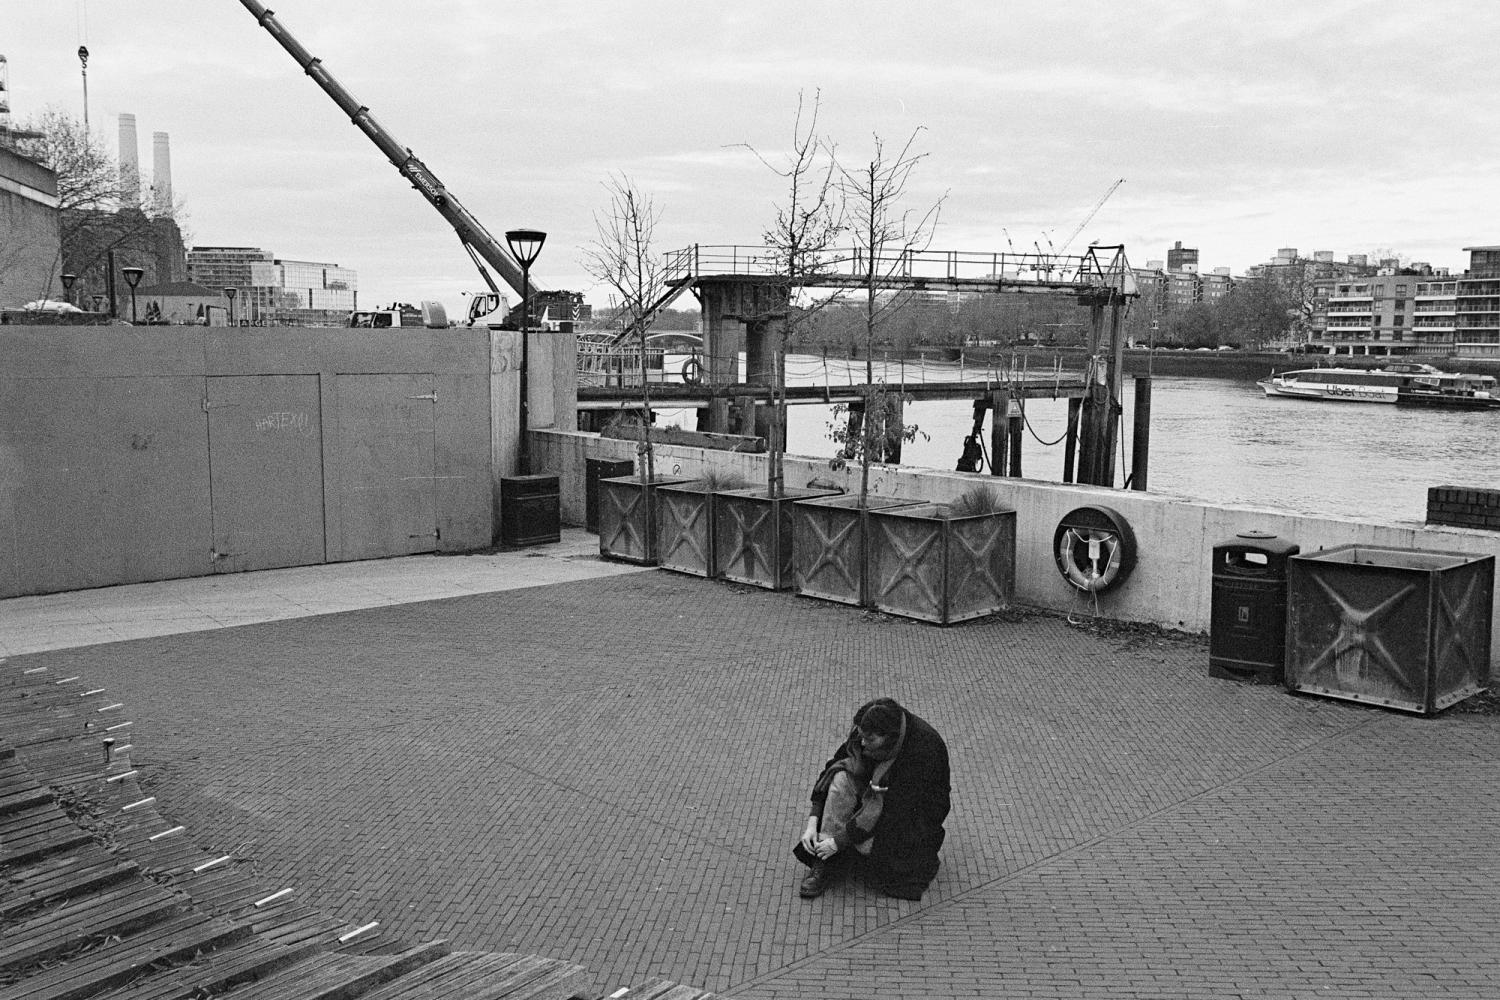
(1404, 384)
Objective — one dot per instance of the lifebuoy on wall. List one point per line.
(1094, 548)
(692, 370)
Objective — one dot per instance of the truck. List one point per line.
(431, 315)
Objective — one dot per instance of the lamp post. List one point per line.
(132, 278)
(67, 282)
(230, 291)
(525, 246)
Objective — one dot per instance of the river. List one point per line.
(1220, 440)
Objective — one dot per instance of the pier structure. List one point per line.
(746, 298)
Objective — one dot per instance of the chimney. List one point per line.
(161, 174)
(130, 163)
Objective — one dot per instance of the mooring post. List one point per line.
(1070, 445)
(1140, 455)
(999, 432)
(1017, 428)
(895, 416)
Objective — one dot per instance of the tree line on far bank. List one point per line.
(1258, 312)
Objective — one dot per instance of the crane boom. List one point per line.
(475, 238)
(1087, 218)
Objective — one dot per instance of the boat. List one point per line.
(1405, 384)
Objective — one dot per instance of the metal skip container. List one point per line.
(1247, 621)
(1407, 629)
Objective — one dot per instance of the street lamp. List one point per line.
(67, 280)
(132, 278)
(525, 246)
(230, 291)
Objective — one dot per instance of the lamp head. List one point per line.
(67, 280)
(525, 244)
(230, 291)
(132, 275)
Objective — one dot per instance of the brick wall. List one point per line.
(1461, 507)
(29, 251)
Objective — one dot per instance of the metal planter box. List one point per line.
(753, 535)
(828, 546)
(627, 525)
(685, 518)
(941, 569)
(1404, 628)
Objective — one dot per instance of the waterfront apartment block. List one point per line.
(1477, 305)
(271, 291)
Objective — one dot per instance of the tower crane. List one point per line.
(1087, 218)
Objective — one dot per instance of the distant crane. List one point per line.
(1087, 218)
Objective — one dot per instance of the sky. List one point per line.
(1238, 128)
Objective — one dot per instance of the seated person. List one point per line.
(883, 795)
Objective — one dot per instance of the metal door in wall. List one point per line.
(265, 452)
(386, 465)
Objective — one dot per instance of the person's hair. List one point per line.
(881, 716)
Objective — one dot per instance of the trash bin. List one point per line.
(595, 469)
(1247, 617)
(529, 510)
(1404, 628)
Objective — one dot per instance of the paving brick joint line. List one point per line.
(1050, 860)
(1123, 825)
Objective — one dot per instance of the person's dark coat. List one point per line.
(903, 858)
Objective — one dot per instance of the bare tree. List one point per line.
(96, 212)
(886, 236)
(622, 257)
(801, 239)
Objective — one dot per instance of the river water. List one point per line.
(1215, 439)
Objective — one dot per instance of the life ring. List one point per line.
(1094, 548)
(692, 370)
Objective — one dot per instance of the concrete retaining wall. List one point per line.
(1171, 583)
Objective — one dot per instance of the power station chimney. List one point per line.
(130, 163)
(161, 174)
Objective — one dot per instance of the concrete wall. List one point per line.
(29, 243)
(1171, 582)
(142, 453)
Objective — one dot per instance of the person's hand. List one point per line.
(810, 835)
(825, 848)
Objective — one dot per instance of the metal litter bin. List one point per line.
(529, 512)
(1247, 618)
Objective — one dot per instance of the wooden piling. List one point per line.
(1070, 445)
(1140, 455)
(999, 432)
(1017, 430)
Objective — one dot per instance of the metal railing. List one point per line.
(1097, 268)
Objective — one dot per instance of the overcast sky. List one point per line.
(1239, 128)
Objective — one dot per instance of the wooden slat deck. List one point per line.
(33, 833)
(77, 922)
(119, 961)
(93, 907)
(503, 976)
(331, 976)
(661, 989)
(61, 876)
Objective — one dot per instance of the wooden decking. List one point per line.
(102, 896)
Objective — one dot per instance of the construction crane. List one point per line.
(1087, 218)
(481, 245)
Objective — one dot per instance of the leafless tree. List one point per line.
(886, 236)
(97, 213)
(801, 238)
(621, 256)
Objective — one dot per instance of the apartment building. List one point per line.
(1477, 305)
(1396, 310)
(271, 291)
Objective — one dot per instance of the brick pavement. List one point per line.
(611, 771)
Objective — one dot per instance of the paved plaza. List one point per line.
(544, 753)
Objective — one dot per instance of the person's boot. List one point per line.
(815, 881)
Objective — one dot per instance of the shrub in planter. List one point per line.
(943, 563)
